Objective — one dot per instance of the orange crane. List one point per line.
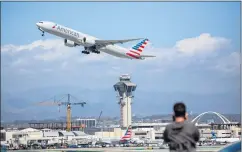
(68, 104)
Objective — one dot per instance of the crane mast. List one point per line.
(68, 119)
(99, 118)
(68, 115)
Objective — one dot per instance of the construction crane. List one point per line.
(67, 103)
(99, 118)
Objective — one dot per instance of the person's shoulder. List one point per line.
(169, 125)
(190, 124)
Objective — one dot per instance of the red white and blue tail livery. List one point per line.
(73, 38)
(135, 51)
(127, 135)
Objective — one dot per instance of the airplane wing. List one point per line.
(145, 56)
(102, 43)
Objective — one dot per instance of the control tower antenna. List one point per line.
(124, 90)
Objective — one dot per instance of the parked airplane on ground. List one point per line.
(127, 138)
(73, 38)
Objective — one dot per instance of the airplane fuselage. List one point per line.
(78, 39)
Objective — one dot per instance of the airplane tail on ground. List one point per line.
(127, 135)
(136, 51)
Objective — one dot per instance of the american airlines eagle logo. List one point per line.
(54, 26)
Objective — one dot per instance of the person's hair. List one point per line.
(179, 109)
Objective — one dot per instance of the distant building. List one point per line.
(86, 123)
(3, 135)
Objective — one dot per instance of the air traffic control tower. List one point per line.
(124, 90)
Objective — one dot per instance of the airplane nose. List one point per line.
(38, 24)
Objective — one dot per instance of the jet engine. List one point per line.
(69, 43)
(88, 42)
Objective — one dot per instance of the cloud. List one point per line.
(52, 56)
(43, 44)
(54, 49)
(49, 50)
(197, 51)
(229, 63)
(204, 43)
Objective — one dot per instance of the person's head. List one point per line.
(180, 110)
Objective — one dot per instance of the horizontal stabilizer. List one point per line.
(147, 56)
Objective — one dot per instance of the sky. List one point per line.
(197, 48)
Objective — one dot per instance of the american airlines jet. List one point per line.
(73, 38)
(125, 139)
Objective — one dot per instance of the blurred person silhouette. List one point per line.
(181, 135)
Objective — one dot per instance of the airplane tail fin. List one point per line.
(137, 49)
(140, 46)
(127, 134)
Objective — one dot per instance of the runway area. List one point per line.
(123, 149)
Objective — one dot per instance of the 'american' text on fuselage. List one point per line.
(68, 31)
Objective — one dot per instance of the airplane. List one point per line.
(73, 38)
(127, 138)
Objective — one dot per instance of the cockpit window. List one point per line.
(40, 22)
